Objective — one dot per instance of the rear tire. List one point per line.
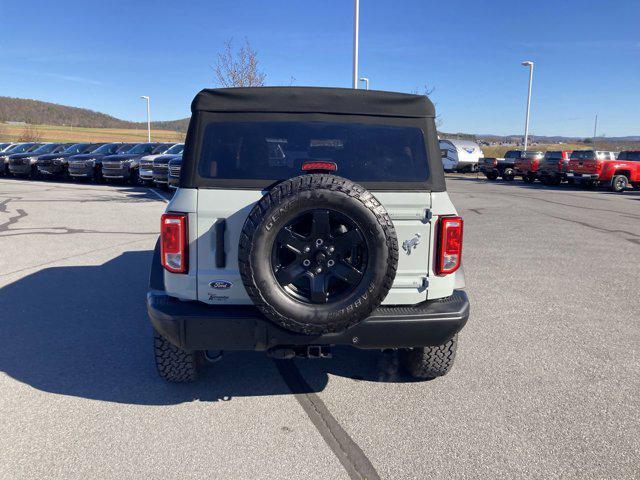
(508, 174)
(528, 178)
(491, 175)
(429, 362)
(175, 364)
(619, 183)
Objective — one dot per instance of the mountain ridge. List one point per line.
(38, 112)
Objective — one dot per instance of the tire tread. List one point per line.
(286, 190)
(174, 364)
(430, 362)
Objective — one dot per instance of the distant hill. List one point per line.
(178, 125)
(44, 113)
(552, 138)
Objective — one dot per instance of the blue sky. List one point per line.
(104, 55)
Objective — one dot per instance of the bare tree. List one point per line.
(238, 68)
(426, 90)
(30, 134)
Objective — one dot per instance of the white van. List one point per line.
(460, 155)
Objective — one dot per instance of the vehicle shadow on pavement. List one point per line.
(83, 331)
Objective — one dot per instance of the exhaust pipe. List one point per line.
(309, 351)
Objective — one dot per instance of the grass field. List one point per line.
(56, 133)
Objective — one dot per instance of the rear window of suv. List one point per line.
(583, 154)
(553, 155)
(274, 150)
(631, 156)
(530, 154)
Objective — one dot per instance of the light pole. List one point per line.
(356, 27)
(366, 82)
(526, 123)
(145, 97)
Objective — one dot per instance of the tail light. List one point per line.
(319, 166)
(599, 166)
(173, 242)
(449, 250)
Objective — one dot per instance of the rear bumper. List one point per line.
(197, 326)
(583, 176)
(551, 173)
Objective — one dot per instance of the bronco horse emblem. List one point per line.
(411, 244)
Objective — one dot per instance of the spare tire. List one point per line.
(317, 254)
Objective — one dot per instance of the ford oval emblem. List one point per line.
(221, 284)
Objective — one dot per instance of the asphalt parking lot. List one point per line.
(546, 382)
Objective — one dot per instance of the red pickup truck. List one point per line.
(527, 165)
(552, 170)
(597, 168)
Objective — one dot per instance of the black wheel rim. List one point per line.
(319, 257)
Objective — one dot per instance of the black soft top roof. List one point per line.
(313, 100)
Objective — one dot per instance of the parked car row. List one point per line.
(589, 168)
(134, 163)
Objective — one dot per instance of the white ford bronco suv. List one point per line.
(308, 218)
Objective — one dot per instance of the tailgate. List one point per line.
(221, 216)
(410, 213)
(523, 165)
(583, 166)
(217, 283)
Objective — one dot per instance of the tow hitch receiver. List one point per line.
(309, 351)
